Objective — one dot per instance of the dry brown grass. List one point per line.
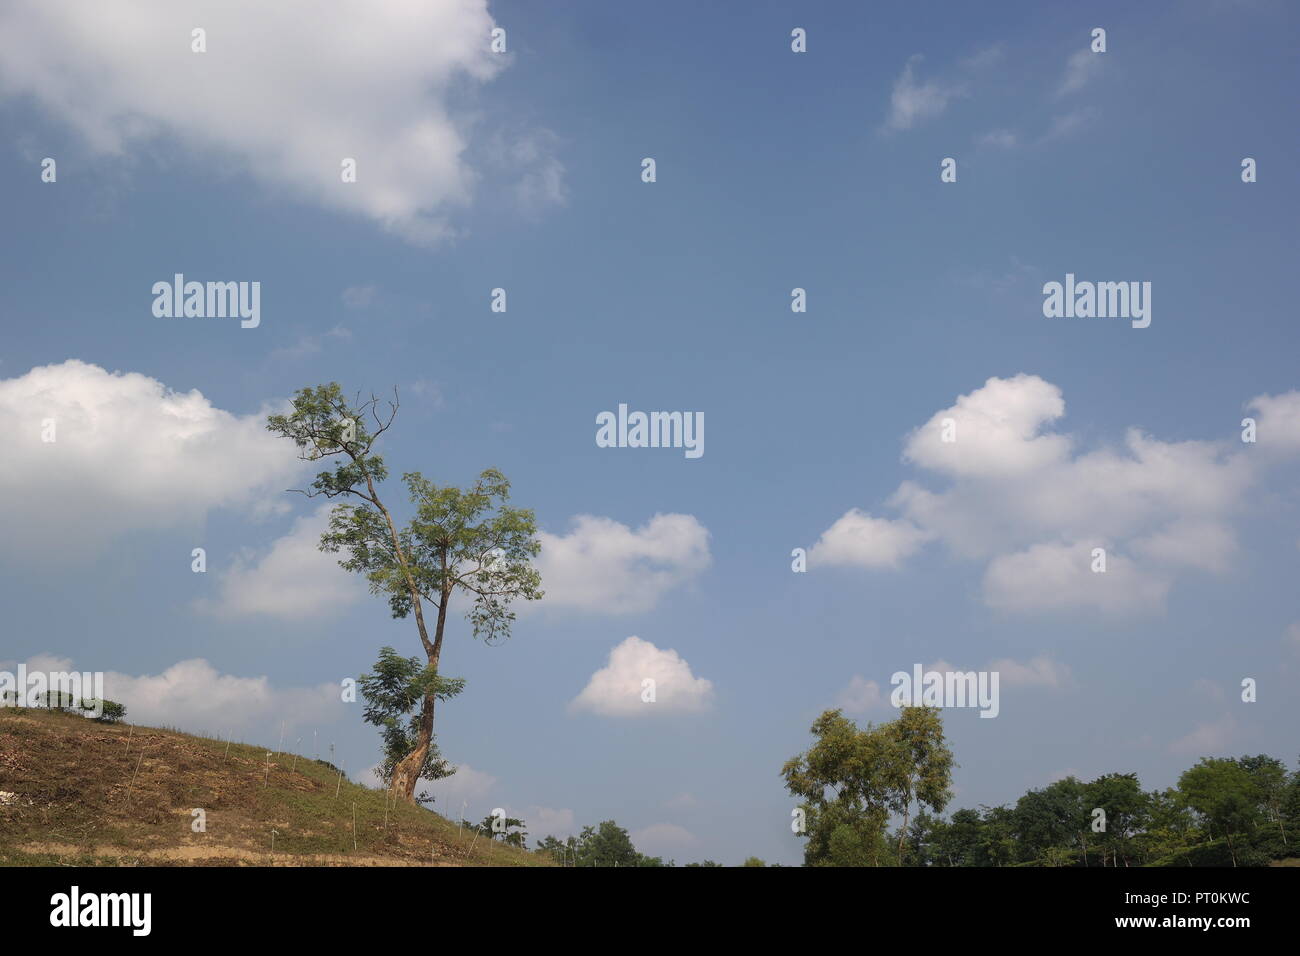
(88, 793)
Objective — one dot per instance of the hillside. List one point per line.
(73, 791)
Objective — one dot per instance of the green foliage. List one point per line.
(855, 783)
(563, 852)
(851, 780)
(605, 845)
(458, 543)
(111, 712)
(1120, 796)
(508, 830)
(392, 694)
(319, 425)
(466, 542)
(1224, 795)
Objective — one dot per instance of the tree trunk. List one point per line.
(406, 772)
(902, 834)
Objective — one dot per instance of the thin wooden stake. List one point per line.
(137, 770)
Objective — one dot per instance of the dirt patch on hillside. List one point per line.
(213, 855)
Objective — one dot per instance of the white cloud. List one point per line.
(605, 566)
(1025, 500)
(467, 787)
(194, 697)
(1278, 422)
(1060, 577)
(912, 101)
(1203, 544)
(1039, 672)
(284, 92)
(861, 695)
(662, 839)
(858, 539)
(1208, 739)
(1080, 69)
(616, 690)
(546, 821)
(128, 454)
(293, 581)
(996, 430)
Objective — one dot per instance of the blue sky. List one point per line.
(775, 170)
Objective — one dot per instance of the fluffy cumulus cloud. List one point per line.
(1278, 423)
(994, 431)
(602, 565)
(285, 91)
(1056, 576)
(1030, 505)
(126, 453)
(195, 697)
(619, 689)
(293, 581)
(861, 695)
(859, 539)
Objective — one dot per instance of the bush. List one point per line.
(112, 712)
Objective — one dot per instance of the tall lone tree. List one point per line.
(466, 542)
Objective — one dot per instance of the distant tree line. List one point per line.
(608, 844)
(854, 782)
(111, 712)
(1224, 811)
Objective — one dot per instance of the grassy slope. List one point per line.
(98, 794)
